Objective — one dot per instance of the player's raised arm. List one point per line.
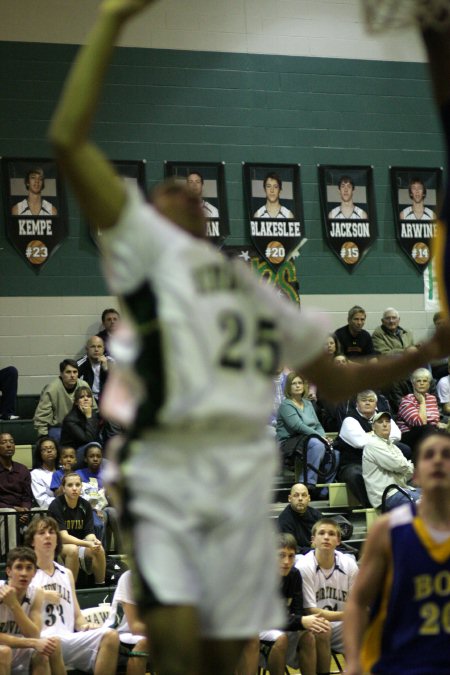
(97, 185)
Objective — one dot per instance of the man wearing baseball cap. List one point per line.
(384, 464)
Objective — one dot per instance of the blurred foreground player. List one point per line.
(197, 469)
(405, 580)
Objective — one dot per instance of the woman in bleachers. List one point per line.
(82, 424)
(332, 346)
(299, 431)
(45, 462)
(418, 413)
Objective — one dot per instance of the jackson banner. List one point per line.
(274, 210)
(348, 211)
(35, 208)
(415, 198)
(133, 173)
(207, 181)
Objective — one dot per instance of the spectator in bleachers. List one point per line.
(299, 517)
(110, 322)
(82, 424)
(56, 400)
(93, 368)
(22, 649)
(304, 642)
(9, 377)
(15, 492)
(45, 463)
(299, 431)
(84, 646)
(76, 523)
(328, 576)
(418, 412)
(124, 617)
(353, 436)
(443, 391)
(67, 464)
(390, 338)
(384, 464)
(354, 340)
(93, 489)
(332, 346)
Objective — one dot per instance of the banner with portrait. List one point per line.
(132, 172)
(348, 211)
(274, 210)
(35, 208)
(207, 181)
(415, 198)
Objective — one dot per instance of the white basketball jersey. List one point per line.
(57, 618)
(210, 334)
(7, 622)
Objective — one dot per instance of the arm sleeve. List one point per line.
(408, 411)
(43, 414)
(89, 519)
(296, 611)
(27, 500)
(309, 596)
(292, 420)
(40, 490)
(55, 511)
(352, 433)
(390, 459)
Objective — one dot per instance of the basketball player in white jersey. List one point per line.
(22, 649)
(84, 646)
(198, 468)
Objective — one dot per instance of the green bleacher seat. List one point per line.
(26, 405)
(22, 431)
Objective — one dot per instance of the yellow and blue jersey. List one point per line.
(409, 628)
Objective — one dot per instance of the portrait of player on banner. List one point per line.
(34, 202)
(274, 208)
(206, 180)
(348, 213)
(415, 197)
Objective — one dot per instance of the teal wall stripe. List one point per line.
(203, 106)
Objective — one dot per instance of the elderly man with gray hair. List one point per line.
(390, 337)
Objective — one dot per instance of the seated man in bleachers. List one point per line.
(15, 492)
(93, 367)
(110, 322)
(56, 400)
(8, 387)
(383, 464)
(327, 576)
(305, 639)
(299, 517)
(390, 338)
(84, 647)
(353, 435)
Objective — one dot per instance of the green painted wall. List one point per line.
(201, 106)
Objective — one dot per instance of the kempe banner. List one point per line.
(348, 211)
(132, 172)
(35, 206)
(274, 210)
(207, 181)
(415, 198)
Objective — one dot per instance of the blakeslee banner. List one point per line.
(274, 210)
(348, 211)
(207, 181)
(415, 197)
(35, 206)
(132, 171)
